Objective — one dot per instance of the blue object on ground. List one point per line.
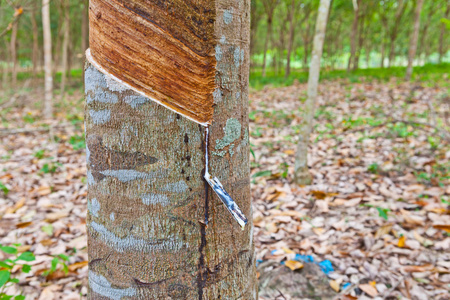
(304, 258)
(326, 266)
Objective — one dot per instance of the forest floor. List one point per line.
(376, 219)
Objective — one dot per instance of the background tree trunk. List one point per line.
(266, 45)
(442, 49)
(85, 27)
(35, 51)
(65, 48)
(155, 228)
(301, 173)
(13, 51)
(291, 39)
(413, 40)
(354, 35)
(401, 8)
(48, 109)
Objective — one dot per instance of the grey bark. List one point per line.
(301, 173)
(155, 228)
(413, 40)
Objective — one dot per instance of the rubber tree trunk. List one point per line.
(35, 53)
(301, 173)
(442, 47)
(413, 40)
(401, 8)
(48, 105)
(266, 44)
(354, 35)
(85, 26)
(65, 48)
(13, 45)
(291, 39)
(155, 228)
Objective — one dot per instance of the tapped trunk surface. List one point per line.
(155, 228)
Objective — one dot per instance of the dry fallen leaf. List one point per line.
(369, 290)
(77, 265)
(293, 265)
(446, 228)
(335, 285)
(385, 229)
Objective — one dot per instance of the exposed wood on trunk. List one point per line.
(413, 40)
(155, 228)
(301, 173)
(48, 105)
(172, 59)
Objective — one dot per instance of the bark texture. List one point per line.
(302, 175)
(414, 39)
(155, 228)
(48, 105)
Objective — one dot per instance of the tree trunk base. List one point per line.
(303, 178)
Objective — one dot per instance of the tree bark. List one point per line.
(354, 35)
(5, 75)
(442, 49)
(35, 53)
(155, 228)
(291, 39)
(301, 173)
(85, 27)
(401, 8)
(48, 105)
(269, 7)
(266, 45)
(413, 40)
(65, 48)
(13, 51)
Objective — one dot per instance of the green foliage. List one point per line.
(284, 170)
(40, 154)
(428, 72)
(266, 173)
(51, 167)
(374, 168)
(383, 212)
(4, 189)
(6, 266)
(77, 141)
(60, 260)
(28, 119)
